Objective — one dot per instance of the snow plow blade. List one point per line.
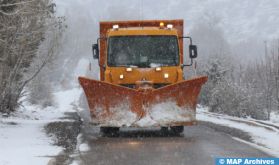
(118, 106)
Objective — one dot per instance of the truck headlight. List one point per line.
(129, 69)
(169, 26)
(115, 27)
(158, 69)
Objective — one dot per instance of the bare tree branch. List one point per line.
(18, 3)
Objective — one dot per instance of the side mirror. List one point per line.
(193, 51)
(95, 50)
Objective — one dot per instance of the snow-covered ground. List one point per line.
(22, 136)
(265, 134)
(25, 142)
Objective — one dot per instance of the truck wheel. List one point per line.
(164, 130)
(109, 131)
(177, 129)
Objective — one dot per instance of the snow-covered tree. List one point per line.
(23, 27)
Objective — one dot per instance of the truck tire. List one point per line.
(164, 130)
(177, 129)
(109, 131)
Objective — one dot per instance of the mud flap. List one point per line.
(114, 105)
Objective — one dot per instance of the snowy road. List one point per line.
(198, 145)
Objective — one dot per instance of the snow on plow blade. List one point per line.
(118, 106)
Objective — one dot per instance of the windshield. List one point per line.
(143, 51)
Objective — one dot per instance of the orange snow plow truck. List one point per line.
(141, 77)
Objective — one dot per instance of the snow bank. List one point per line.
(25, 142)
(274, 117)
(84, 147)
(22, 136)
(75, 163)
(265, 136)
